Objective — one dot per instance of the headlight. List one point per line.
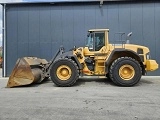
(148, 56)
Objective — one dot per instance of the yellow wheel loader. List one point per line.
(123, 63)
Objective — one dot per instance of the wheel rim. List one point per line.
(64, 72)
(126, 72)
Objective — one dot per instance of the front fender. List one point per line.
(70, 55)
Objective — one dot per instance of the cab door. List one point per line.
(97, 52)
(99, 40)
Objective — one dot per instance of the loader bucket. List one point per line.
(27, 70)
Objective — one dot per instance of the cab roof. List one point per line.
(91, 30)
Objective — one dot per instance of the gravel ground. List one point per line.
(89, 99)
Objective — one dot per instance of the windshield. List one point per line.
(89, 41)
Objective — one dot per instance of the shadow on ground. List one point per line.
(83, 81)
(144, 81)
(88, 81)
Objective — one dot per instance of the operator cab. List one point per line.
(95, 40)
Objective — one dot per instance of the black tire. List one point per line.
(107, 75)
(125, 71)
(61, 67)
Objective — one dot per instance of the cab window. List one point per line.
(99, 40)
(95, 41)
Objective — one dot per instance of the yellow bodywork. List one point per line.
(64, 72)
(100, 57)
(151, 65)
(126, 72)
(93, 59)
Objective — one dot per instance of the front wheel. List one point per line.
(64, 72)
(125, 71)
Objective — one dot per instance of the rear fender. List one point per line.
(124, 53)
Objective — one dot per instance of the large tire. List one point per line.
(108, 76)
(64, 72)
(125, 71)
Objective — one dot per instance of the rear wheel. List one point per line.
(64, 72)
(125, 71)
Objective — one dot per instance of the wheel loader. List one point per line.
(123, 63)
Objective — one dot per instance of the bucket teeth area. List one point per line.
(26, 71)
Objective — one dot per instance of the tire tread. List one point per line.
(111, 70)
(73, 81)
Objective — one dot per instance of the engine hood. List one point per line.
(131, 47)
